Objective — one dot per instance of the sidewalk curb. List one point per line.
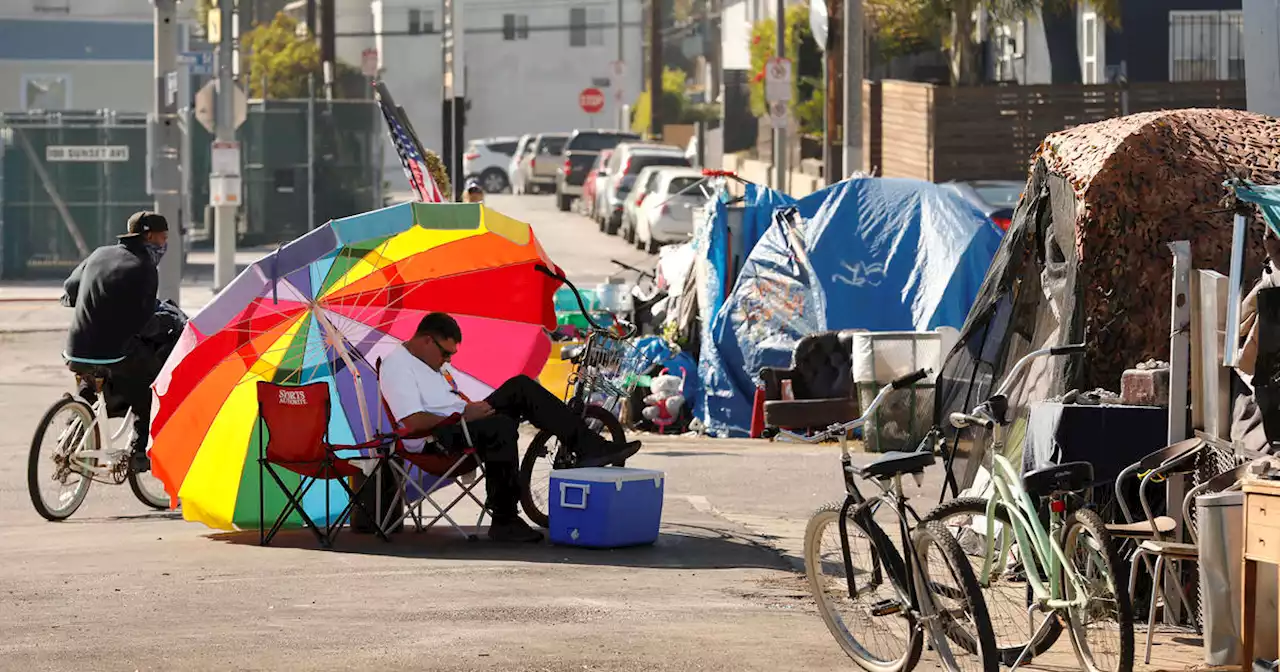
(28, 299)
(35, 329)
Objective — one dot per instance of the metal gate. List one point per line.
(68, 183)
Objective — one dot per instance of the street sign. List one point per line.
(619, 69)
(213, 24)
(225, 158)
(369, 62)
(600, 82)
(777, 80)
(779, 115)
(591, 100)
(86, 153)
(197, 62)
(224, 190)
(205, 99)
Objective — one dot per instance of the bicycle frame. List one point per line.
(107, 456)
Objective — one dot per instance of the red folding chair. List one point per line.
(443, 465)
(295, 419)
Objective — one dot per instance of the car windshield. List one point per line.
(639, 162)
(552, 145)
(594, 142)
(998, 195)
(679, 184)
(507, 147)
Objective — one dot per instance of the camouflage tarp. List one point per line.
(1143, 181)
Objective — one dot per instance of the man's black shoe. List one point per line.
(514, 530)
(139, 463)
(614, 457)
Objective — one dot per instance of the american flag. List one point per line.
(408, 148)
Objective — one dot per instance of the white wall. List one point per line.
(124, 86)
(1262, 55)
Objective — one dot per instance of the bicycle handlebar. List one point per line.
(633, 269)
(630, 329)
(1067, 349)
(910, 379)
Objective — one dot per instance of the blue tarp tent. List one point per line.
(883, 254)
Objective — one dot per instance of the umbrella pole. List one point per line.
(340, 344)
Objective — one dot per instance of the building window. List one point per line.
(1206, 46)
(46, 92)
(578, 27)
(421, 21)
(595, 26)
(515, 27)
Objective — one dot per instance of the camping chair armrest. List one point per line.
(455, 419)
(772, 377)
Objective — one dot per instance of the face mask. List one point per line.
(156, 252)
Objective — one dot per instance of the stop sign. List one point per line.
(591, 100)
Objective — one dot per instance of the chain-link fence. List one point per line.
(68, 183)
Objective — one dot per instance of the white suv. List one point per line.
(487, 161)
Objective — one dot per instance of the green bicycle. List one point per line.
(1067, 572)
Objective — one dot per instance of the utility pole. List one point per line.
(165, 142)
(834, 66)
(655, 68)
(224, 235)
(310, 17)
(328, 45)
(619, 73)
(780, 134)
(853, 39)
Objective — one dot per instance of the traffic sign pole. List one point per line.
(780, 133)
(224, 234)
(164, 149)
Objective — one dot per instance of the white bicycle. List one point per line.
(77, 455)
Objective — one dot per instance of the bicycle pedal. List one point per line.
(886, 608)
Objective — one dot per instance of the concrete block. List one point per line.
(1145, 387)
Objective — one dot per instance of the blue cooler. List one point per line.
(605, 507)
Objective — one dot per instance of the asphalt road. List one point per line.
(120, 588)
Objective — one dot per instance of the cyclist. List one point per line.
(113, 292)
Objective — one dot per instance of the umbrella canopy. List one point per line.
(325, 307)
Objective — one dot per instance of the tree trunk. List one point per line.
(964, 58)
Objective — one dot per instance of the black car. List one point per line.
(580, 154)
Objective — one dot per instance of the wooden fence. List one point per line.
(940, 133)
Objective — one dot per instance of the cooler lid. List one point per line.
(616, 475)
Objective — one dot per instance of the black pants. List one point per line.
(497, 437)
(128, 387)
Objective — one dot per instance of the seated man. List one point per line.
(113, 292)
(419, 389)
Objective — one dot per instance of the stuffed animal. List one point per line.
(666, 398)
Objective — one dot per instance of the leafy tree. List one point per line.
(911, 23)
(676, 107)
(278, 64)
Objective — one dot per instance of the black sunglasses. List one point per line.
(447, 354)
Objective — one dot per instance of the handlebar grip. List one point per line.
(910, 379)
(1067, 349)
(546, 271)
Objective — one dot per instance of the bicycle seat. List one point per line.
(1059, 478)
(570, 353)
(896, 463)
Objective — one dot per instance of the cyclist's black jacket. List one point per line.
(114, 294)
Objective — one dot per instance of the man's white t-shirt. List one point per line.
(410, 386)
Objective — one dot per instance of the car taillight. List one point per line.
(567, 166)
(627, 168)
(641, 199)
(533, 163)
(1002, 222)
(472, 156)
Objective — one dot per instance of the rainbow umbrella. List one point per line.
(325, 307)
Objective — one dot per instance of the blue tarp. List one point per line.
(1267, 198)
(883, 254)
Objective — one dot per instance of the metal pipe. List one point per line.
(1234, 291)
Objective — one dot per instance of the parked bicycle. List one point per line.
(598, 387)
(878, 603)
(1067, 573)
(86, 446)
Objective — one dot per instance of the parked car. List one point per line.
(995, 198)
(545, 161)
(628, 159)
(666, 213)
(579, 153)
(515, 167)
(487, 161)
(590, 185)
(645, 182)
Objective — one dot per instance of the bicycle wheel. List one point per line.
(874, 626)
(69, 422)
(542, 455)
(1005, 592)
(957, 600)
(1101, 630)
(149, 490)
